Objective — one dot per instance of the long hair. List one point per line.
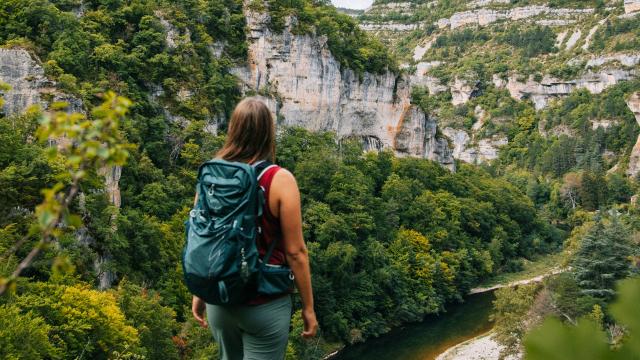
(251, 135)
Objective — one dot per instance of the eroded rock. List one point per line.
(462, 90)
(634, 160)
(465, 149)
(549, 88)
(631, 6)
(483, 17)
(29, 86)
(308, 87)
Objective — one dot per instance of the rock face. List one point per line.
(462, 90)
(483, 17)
(549, 88)
(30, 87)
(390, 26)
(475, 153)
(573, 40)
(628, 60)
(631, 6)
(28, 84)
(420, 50)
(483, 3)
(112, 184)
(634, 161)
(307, 87)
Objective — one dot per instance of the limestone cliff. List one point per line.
(483, 17)
(308, 87)
(29, 86)
(551, 88)
(634, 161)
(457, 37)
(631, 6)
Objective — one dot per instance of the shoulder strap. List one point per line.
(261, 167)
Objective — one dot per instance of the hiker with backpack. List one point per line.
(245, 251)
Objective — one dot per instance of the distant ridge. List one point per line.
(350, 12)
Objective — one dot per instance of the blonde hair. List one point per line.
(251, 135)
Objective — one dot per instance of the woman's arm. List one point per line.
(198, 306)
(285, 199)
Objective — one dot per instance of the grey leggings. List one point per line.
(251, 332)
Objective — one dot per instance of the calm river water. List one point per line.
(428, 339)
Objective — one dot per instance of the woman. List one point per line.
(259, 329)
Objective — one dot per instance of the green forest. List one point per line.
(391, 239)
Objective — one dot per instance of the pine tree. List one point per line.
(603, 258)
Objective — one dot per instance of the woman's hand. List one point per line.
(310, 323)
(198, 308)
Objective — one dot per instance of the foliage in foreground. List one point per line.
(586, 340)
(582, 295)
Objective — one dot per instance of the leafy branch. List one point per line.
(82, 144)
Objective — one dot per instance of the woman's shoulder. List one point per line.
(284, 177)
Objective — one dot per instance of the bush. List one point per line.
(24, 335)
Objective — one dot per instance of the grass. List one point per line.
(537, 267)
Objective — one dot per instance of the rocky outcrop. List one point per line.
(560, 37)
(390, 26)
(466, 150)
(573, 39)
(631, 6)
(308, 87)
(420, 50)
(431, 83)
(634, 161)
(483, 17)
(592, 31)
(29, 86)
(602, 124)
(462, 90)
(423, 68)
(628, 60)
(482, 3)
(549, 88)
(173, 37)
(112, 176)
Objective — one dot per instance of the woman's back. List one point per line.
(259, 329)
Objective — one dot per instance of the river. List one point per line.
(431, 337)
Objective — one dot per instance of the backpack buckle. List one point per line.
(210, 191)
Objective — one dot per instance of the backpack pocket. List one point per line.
(275, 280)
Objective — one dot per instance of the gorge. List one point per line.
(436, 144)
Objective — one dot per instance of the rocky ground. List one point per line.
(480, 348)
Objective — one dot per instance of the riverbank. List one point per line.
(459, 333)
(483, 347)
(532, 280)
(432, 336)
(542, 265)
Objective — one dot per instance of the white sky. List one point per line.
(352, 4)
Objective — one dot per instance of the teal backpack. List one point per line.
(220, 260)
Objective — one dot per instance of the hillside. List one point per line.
(475, 58)
(436, 145)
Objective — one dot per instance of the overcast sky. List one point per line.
(352, 4)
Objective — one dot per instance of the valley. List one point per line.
(441, 148)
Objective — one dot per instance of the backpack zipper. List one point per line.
(244, 267)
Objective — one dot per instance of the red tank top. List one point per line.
(271, 231)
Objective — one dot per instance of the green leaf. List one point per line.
(555, 341)
(74, 221)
